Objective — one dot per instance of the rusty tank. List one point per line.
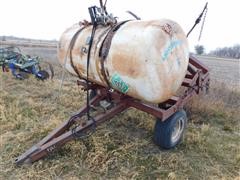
(146, 60)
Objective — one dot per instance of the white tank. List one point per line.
(147, 60)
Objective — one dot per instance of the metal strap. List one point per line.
(72, 43)
(104, 49)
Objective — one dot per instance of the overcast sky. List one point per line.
(47, 19)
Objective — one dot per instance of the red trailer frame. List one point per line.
(196, 81)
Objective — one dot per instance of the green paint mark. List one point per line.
(119, 84)
(169, 49)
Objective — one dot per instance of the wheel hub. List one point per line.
(177, 130)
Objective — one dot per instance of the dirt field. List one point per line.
(226, 70)
(121, 148)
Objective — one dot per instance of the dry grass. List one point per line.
(122, 148)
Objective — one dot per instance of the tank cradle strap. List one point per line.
(104, 49)
(71, 45)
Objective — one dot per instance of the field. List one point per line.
(122, 148)
(223, 70)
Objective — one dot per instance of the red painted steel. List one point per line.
(196, 81)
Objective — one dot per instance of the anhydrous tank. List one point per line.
(147, 60)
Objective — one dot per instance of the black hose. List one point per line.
(198, 20)
(87, 80)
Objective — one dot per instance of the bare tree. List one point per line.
(199, 49)
(230, 52)
(3, 38)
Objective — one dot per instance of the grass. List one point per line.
(122, 148)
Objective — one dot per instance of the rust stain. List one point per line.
(168, 79)
(61, 51)
(128, 65)
(100, 36)
(76, 51)
(80, 70)
(98, 69)
(139, 24)
(130, 60)
(167, 28)
(79, 44)
(152, 23)
(162, 40)
(167, 92)
(61, 56)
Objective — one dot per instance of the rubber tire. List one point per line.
(44, 75)
(163, 130)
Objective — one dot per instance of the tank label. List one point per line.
(169, 49)
(119, 84)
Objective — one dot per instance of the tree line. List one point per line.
(227, 52)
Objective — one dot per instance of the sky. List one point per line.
(47, 19)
